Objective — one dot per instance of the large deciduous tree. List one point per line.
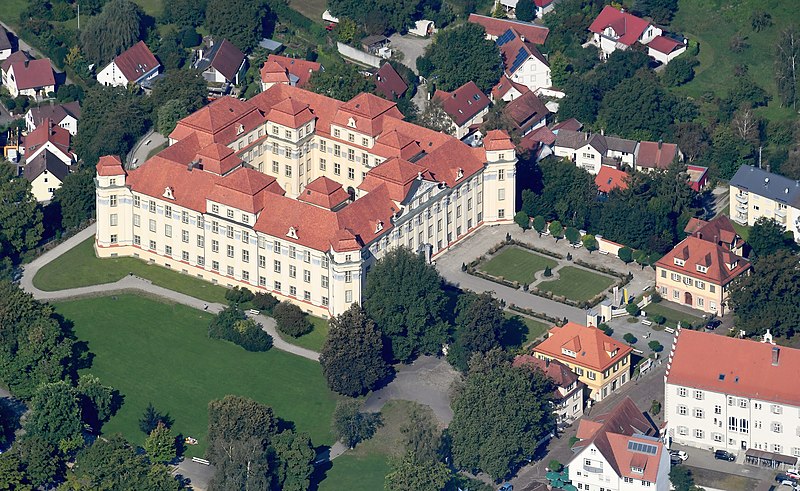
(239, 21)
(452, 47)
(76, 197)
(787, 66)
(409, 475)
(660, 10)
(564, 192)
(767, 237)
(55, 414)
(353, 426)
(352, 357)
(184, 12)
(480, 326)
(525, 10)
(499, 415)
(637, 108)
(186, 86)
(341, 81)
(115, 29)
(404, 297)
(294, 463)
(20, 215)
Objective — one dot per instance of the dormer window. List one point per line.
(569, 353)
(240, 129)
(378, 227)
(702, 269)
(460, 173)
(733, 265)
(292, 233)
(637, 470)
(351, 122)
(679, 262)
(168, 193)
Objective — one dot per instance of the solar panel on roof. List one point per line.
(506, 37)
(519, 60)
(642, 447)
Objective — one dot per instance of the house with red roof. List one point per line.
(5, 44)
(734, 394)
(389, 83)
(48, 159)
(64, 115)
(620, 449)
(135, 65)
(615, 29)
(569, 394)
(609, 178)
(523, 63)
(495, 28)
(542, 7)
(221, 63)
(466, 106)
(699, 270)
(656, 155)
(665, 48)
(601, 362)
(285, 70)
(527, 112)
(28, 77)
(51, 137)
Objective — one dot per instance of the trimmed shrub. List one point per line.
(291, 320)
(548, 272)
(658, 319)
(632, 309)
(655, 346)
(629, 338)
(238, 295)
(232, 325)
(625, 254)
(265, 302)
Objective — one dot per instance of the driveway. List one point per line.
(412, 48)
(143, 147)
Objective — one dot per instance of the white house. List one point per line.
(542, 6)
(756, 193)
(522, 61)
(570, 393)
(586, 150)
(619, 451)
(63, 115)
(615, 29)
(45, 172)
(133, 66)
(221, 63)
(52, 138)
(466, 106)
(742, 398)
(666, 49)
(5, 44)
(27, 77)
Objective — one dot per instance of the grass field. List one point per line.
(672, 315)
(160, 353)
(80, 267)
(722, 480)
(312, 9)
(151, 7)
(533, 329)
(577, 284)
(517, 264)
(712, 23)
(316, 338)
(365, 467)
(10, 10)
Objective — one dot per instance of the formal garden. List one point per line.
(577, 284)
(516, 264)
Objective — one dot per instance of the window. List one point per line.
(152, 245)
(168, 230)
(112, 200)
(501, 194)
(112, 219)
(151, 206)
(698, 413)
(201, 261)
(348, 276)
(287, 152)
(287, 170)
(682, 391)
(185, 236)
(698, 394)
(307, 276)
(200, 222)
(325, 301)
(501, 175)
(717, 409)
(262, 262)
(337, 150)
(168, 250)
(168, 211)
(348, 296)
(229, 231)
(337, 133)
(276, 167)
(698, 433)
(113, 238)
(276, 266)
(322, 164)
(776, 427)
(185, 256)
(776, 409)
(215, 265)
(293, 291)
(306, 256)
(137, 201)
(323, 146)
(743, 402)
(245, 275)
(351, 154)
(682, 430)
(292, 252)
(337, 168)
(351, 173)
(324, 281)
(276, 247)
(245, 236)
(717, 437)
(230, 251)
(591, 375)
(278, 286)
(292, 271)
(501, 213)
(214, 246)
(246, 256)
(215, 227)
(324, 262)
(230, 270)
(682, 410)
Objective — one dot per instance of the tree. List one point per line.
(98, 402)
(12, 477)
(186, 86)
(169, 50)
(160, 444)
(589, 242)
(514, 415)
(738, 43)
(561, 192)
(525, 10)
(746, 125)
(556, 229)
(151, 418)
(55, 414)
(760, 20)
(40, 460)
(435, 118)
(523, 220)
(352, 356)
(660, 10)
(340, 81)
(681, 478)
(115, 29)
(76, 197)
(692, 139)
(625, 254)
(20, 215)
(480, 326)
(184, 12)
(679, 71)
(581, 102)
(539, 224)
(767, 237)
(421, 435)
(638, 107)
(351, 426)
(232, 325)
(346, 30)
(573, 235)
(404, 297)
(655, 346)
(451, 47)
(628, 337)
(295, 460)
(239, 21)
(291, 320)
(770, 298)
(787, 71)
(409, 475)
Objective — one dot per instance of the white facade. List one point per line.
(587, 157)
(463, 130)
(112, 75)
(747, 206)
(590, 469)
(69, 123)
(34, 93)
(665, 57)
(64, 157)
(44, 186)
(533, 74)
(607, 41)
(5, 53)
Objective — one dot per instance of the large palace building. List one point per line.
(298, 194)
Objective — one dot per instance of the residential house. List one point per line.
(698, 177)
(656, 155)
(5, 44)
(522, 61)
(46, 171)
(63, 115)
(28, 77)
(621, 150)
(527, 112)
(538, 142)
(135, 65)
(542, 7)
(588, 151)
(568, 396)
(609, 178)
(571, 124)
(285, 70)
(373, 44)
(698, 271)
(495, 28)
(389, 83)
(222, 63)
(49, 136)
(665, 49)
(720, 230)
(466, 106)
(741, 398)
(615, 29)
(620, 450)
(228, 201)
(756, 193)
(507, 90)
(601, 362)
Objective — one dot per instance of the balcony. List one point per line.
(592, 469)
(741, 209)
(780, 213)
(742, 198)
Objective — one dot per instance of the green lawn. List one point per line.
(712, 23)
(316, 338)
(312, 9)
(80, 267)
(10, 10)
(151, 7)
(365, 467)
(672, 315)
(533, 329)
(515, 264)
(577, 284)
(160, 353)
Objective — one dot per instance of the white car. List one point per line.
(679, 454)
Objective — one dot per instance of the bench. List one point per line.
(647, 322)
(253, 312)
(669, 330)
(605, 253)
(200, 461)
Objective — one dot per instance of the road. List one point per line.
(17, 41)
(142, 149)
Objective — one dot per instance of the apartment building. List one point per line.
(600, 362)
(757, 193)
(619, 451)
(297, 194)
(741, 397)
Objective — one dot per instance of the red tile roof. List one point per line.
(609, 178)
(227, 60)
(324, 192)
(655, 155)
(532, 140)
(513, 48)
(496, 28)
(504, 85)
(290, 112)
(592, 346)
(302, 69)
(135, 61)
(393, 143)
(571, 124)
(218, 158)
(561, 375)
(452, 159)
(219, 122)
(396, 175)
(719, 230)
(15, 57)
(497, 140)
(273, 73)
(463, 103)
(33, 74)
(526, 111)
(389, 82)
(48, 132)
(245, 189)
(627, 27)
(739, 367)
(663, 44)
(110, 165)
(722, 265)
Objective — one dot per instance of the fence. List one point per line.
(358, 55)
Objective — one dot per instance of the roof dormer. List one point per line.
(168, 193)
(292, 233)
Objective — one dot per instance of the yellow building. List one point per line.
(600, 362)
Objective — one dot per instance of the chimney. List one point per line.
(776, 351)
(522, 38)
(586, 135)
(660, 142)
(26, 62)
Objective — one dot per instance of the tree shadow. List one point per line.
(284, 425)
(515, 332)
(320, 473)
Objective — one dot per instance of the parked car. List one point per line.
(790, 484)
(793, 473)
(723, 455)
(783, 477)
(506, 487)
(713, 324)
(679, 454)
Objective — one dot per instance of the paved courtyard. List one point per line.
(412, 48)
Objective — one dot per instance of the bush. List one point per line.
(238, 295)
(548, 272)
(655, 297)
(606, 329)
(658, 319)
(522, 220)
(232, 325)
(655, 346)
(291, 320)
(625, 254)
(629, 338)
(555, 466)
(265, 302)
(572, 235)
(190, 38)
(590, 242)
(632, 309)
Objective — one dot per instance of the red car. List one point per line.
(330, 26)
